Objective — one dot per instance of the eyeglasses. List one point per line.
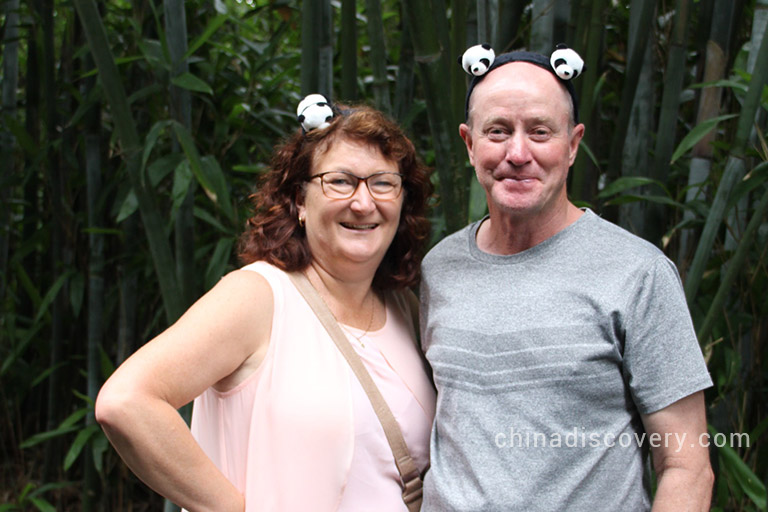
(383, 186)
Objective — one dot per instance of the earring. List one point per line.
(301, 221)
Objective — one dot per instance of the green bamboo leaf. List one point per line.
(211, 29)
(45, 373)
(52, 292)
(19, 349)
(24, 492)
(107, 367)
(83, 397)
(754, 179)
(21, 134)
(585, 148)
(218, 262)
(51, 487)
(742, 474)
(162, 167)
(210, 219)
(45, 436)
(192, 83)
(188, 145)
(731, 84)
(74, 418)
(153, 53)
(632, 198)
(149, 142)
(77, 445)
(216, 176)
(42, 505)
(182, 180)
(129, 207)
(695, 135)
(99, 446)
(626, 183)
(77, 293)
(145, 92)
(102, 231)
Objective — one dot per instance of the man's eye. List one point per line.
(497, 133)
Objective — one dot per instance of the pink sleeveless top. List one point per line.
(300, 433)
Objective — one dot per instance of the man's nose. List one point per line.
(518, 151)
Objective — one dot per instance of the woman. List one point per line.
(280, 422)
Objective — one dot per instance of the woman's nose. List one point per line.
(362, 201)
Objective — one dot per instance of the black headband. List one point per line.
(532, 58)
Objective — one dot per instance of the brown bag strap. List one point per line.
(409, 472)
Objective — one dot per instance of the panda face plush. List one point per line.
(477, 59)
(566, 63)
(314, 111)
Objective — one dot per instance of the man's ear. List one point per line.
(466, 134)
(576, 135)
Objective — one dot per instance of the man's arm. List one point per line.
(684, 475)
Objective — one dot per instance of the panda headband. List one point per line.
(565, 64)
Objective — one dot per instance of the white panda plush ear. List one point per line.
(477, 59)
(314, 111)
(566, 63)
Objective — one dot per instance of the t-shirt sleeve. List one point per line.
(663, 362)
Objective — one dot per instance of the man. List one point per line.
(562, 347)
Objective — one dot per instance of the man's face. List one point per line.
(519, 140)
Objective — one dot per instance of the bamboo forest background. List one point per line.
(133, 132)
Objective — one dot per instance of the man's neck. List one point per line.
(506, 234)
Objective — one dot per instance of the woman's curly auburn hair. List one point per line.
(273, 233)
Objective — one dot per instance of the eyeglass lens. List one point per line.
(341, 185)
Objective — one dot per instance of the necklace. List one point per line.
(370, 320)
(370, 323)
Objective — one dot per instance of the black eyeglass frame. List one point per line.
(359, 179)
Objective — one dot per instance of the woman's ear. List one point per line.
(299, 201)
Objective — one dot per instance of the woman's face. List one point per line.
(357, 230)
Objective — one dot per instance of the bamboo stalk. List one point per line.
(378, 56)
(674, 75)
(405, 74)
(716, 59)
(433, 66)
(348, 30)
(542, 26)
(634, 65)
(45, 10)
(583, 175)
(10, 80)
(735, 267)
(310, 81)
(181, 109)
(124, 125)
(734, 171)
(510, 12)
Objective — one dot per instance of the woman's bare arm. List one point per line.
(222, 337)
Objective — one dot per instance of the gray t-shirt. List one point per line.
(544, 361)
